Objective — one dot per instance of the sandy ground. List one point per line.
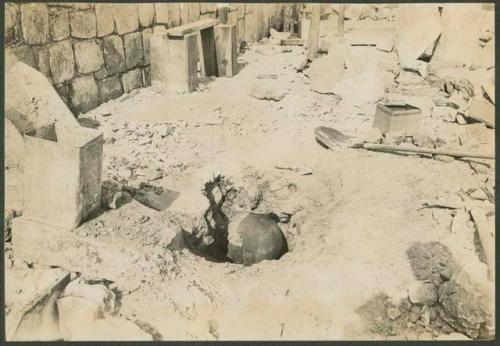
(353, 218)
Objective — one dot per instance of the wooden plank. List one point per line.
(192, 27)
(312, 45)
(207, 55)
(226, 50)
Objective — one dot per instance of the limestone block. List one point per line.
(14, 146)
(84, 94)
(33, 314)
(162, 12)
(62, 63)
(88, 56)
(83, 24)
(59, 23)
(50, 245)
(12, 33)
(32, 102)
(146, 36)
(114, 55)
(146, 14)
(35, 23)
(109, 88)
(104, 19)
(133, 49)
(132, 80)
(126, 18)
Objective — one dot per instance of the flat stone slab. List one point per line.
(185, 29)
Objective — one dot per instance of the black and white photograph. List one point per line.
(205, 171)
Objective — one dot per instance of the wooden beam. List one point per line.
(185, 29)
(312, 45)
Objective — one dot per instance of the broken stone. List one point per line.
(32, 316)
(156, 198)
(75, 312)
(97, 293)
(431, 261)
(444, 158)
(460, 119)
(479, 194)
(466, 305)
(14, 146)
(268, 90)
(325, 72)
(482, 110)
(452, 337)
(31, 101)
(424, 293)
(393, 313)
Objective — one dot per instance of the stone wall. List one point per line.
(93, 53)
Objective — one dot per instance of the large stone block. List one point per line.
(146, 14)
(56, 246)
(114, 55)
(32, 313)
(32, 102)
(83, 24)
(109, 88)
(133, 49)
(62, 62)
(104, 19)
(14, 146)
(207, 7)
(12, 25)
(84, 94)
(59, 23)
(146, 37)
(132, 80)
(194, 11)
(126, 18)
(161, 12)
(226, 49)
(63, 92)
(22, 53)
(88, 56)
(35, 23)
(43, 61)
(174, 14)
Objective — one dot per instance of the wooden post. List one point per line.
(226, 49)
(340, 31)
(312, 46)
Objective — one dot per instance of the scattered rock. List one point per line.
(423, 293)
(393, 313)
(98, 294)
(272, 90)
(431, 262)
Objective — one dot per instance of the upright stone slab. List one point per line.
(83, 24)
(173, 62)
(59, 23)
(62, 174)
(62, 62)
(88, 56)
(104, 19)
(35, 23)
(133, 49)
(206, 52)
(226, 49)
(31, 101)
(43, 61)
(114, 55)
(146, 37)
